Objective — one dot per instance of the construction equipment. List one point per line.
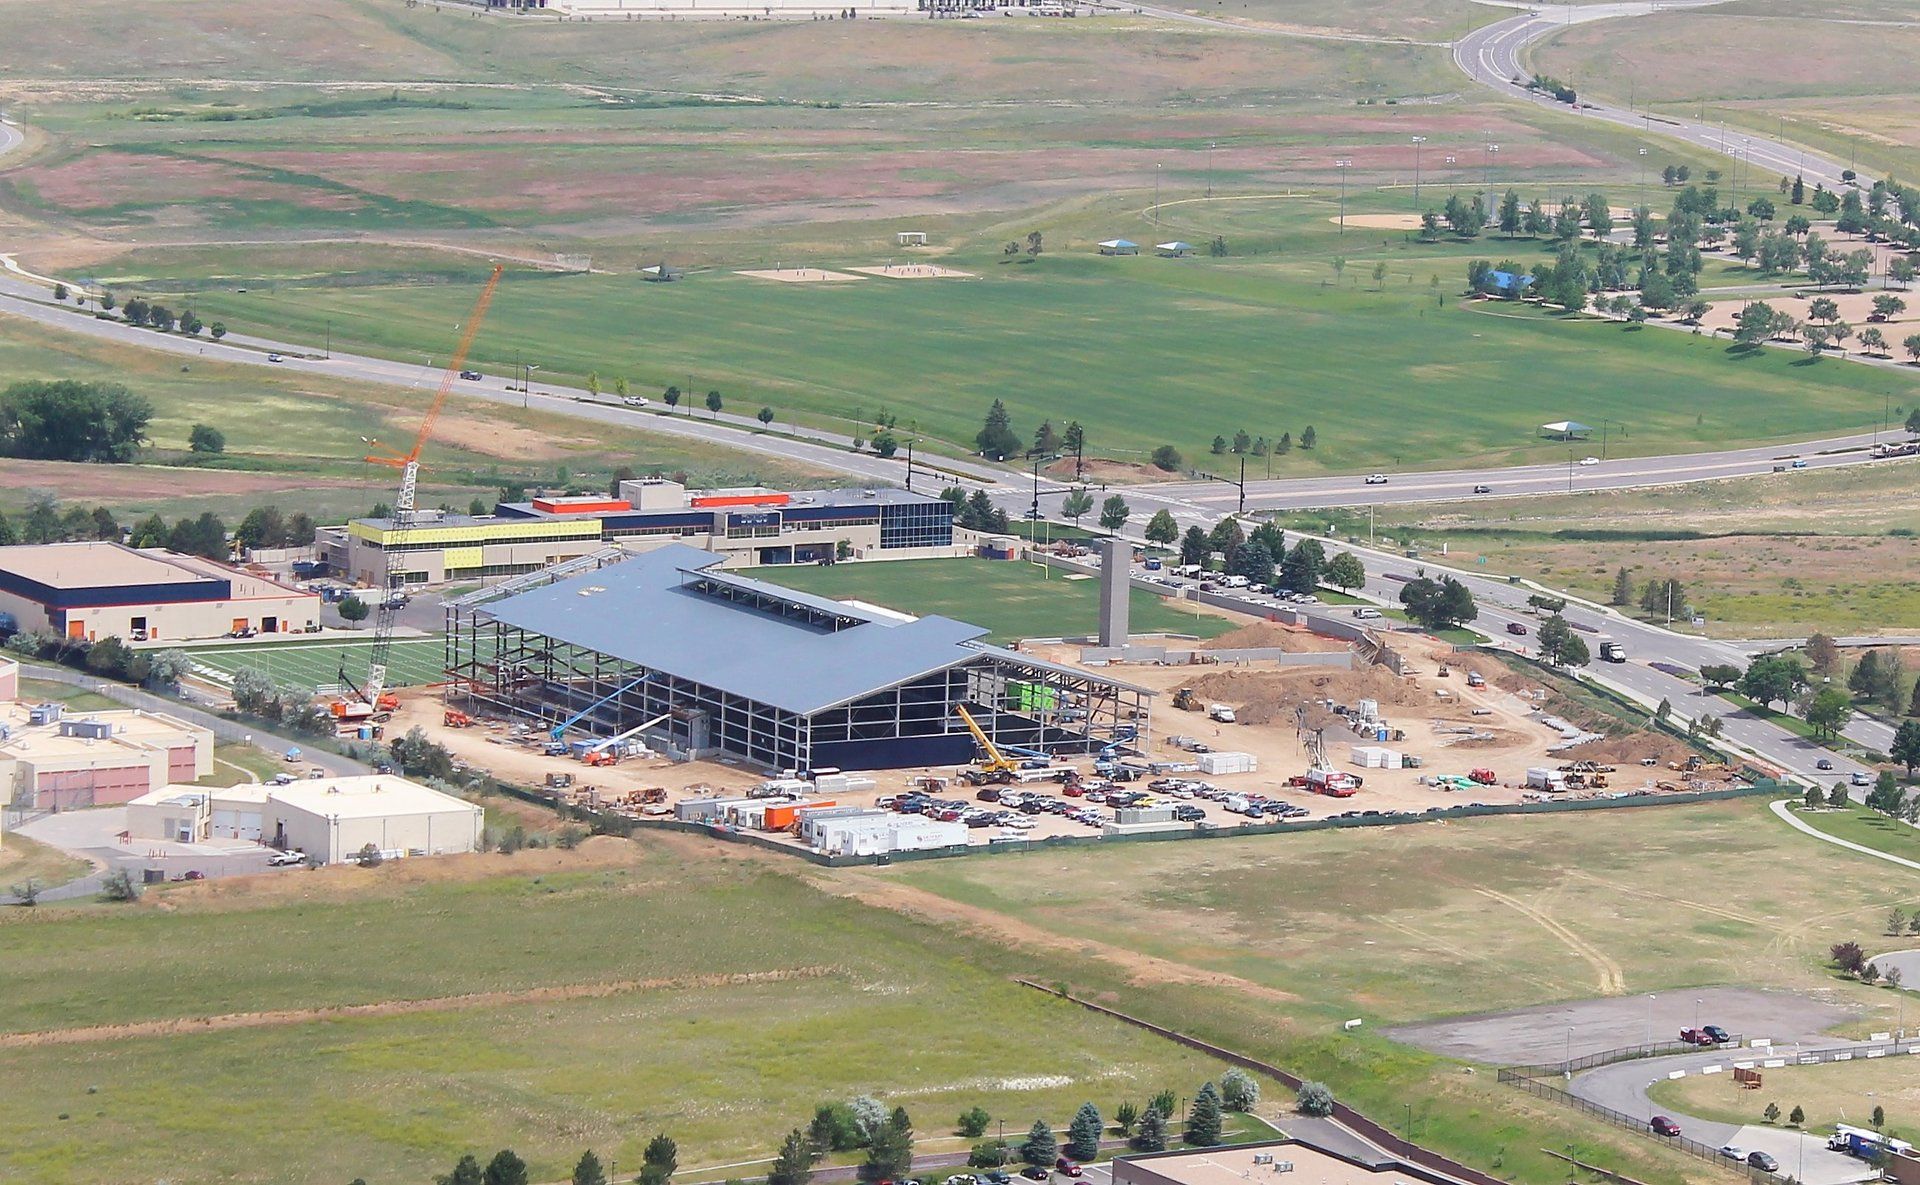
(997, 767)
(455, 718)
(559, 731)
(1185, 700)
(392, 590)
(608, 751)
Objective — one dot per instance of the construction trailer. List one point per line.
(740, 668)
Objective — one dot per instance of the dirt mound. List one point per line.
(1630, 749)
(1489, 738)
(1264, 697)
(1261, 635)
(1104, 471)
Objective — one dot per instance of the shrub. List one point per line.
(1239, 1090)
(973, 1122)
(119, 886)
(1313, 1098)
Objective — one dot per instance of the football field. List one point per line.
(413, 661)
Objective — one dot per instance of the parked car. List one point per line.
(1063, 1165)
(1763, 1162)
(1516, 629)
(1719, 1035)
(1663, 1126)
(286, 859)
(1034, 1172)
(1376, 479)
(1733, 1152)
(998, 1177)
(1859, 779)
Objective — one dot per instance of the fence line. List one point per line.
(1543, 1089)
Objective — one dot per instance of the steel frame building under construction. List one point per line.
(744, 668)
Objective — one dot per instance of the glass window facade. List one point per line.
(917, 524)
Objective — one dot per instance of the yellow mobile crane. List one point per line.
(998, 767)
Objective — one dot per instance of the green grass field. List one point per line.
(1451, 918)
(1014, 600)
(1234, 344)
(917, 1016)
(1867, 828)
(415, 661)
(1840, 1092)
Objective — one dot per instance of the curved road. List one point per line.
(1491, 55)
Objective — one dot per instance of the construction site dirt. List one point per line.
(1478, 720)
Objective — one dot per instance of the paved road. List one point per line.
(1492, 55)
(10, 137)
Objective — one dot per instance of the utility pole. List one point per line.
(1342, 165)
(1156, 195)
(1243, 483)
(329, 339)
(1451, 160)
(909, 466)
(1417, 142)
(1486, 182)
(1211, 145)
(1035, 512)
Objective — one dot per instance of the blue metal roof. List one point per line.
(650, 611)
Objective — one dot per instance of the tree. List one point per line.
(66, 420)
(1823, 654)
(973, 1121)
(1194, 547)
(765, 416)
(1114, 513)
(1074, 439)
(1772, 1113)
(890, 1154)
(1719, 675)
(671, 396)
(1906, 745)
(1219, 446)
(869, 1114)
(996, 437)
(1599, 215)
(1872, 341)
(1314, 1098)
(466, 1172)
(1815, 799)
(589, 1171)
(1559, 645)
(352, 609)
(989, 1154)
(1829, 712)
(1622, 587)
(1309, 438)
(1239, 1090)
(1076, 504)
(1438, 604)
(119, 887)
(1865, 675)
(1204, 1119)
(715, 403)
(834, 1129)
(1912, 346)
(1167, 458)
(1039, 1149)
(658, 1161)
(1879, 1117)
(1429, 226)
(1344, 572)
(1083, 1134)
(1797, 1116)
(1303, 566)
(1163, 1102)
(1033, 244)
(1798, 191)
(1046, 441)
(1162, 529)
(206, 439)
(886, 444)
(1153, 1132)
(27, 892)
(1125, 1116)
(505, 1169)
(1772, 678)
(1837, 797)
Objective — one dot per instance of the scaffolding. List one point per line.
(503, 669)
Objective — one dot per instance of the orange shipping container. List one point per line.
(779, 818)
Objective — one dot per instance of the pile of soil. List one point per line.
(1104, 471)
(1266, 697)
(1494, 738)
(1260, 635)
(1628, 750)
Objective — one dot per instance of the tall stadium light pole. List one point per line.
(1451, 161)
(1643, 176)
(1211, 145)
(1417, 142)
(1343, 165)
(1156, 195)
(1486, 181)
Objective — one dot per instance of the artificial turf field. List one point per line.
(414, 661)
(1014, 600)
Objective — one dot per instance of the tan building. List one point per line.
(330, 819)
(52, 759)
(105, 590)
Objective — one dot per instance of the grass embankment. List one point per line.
(23, 860)
(1869, 829)
(1014, 600)
(296, 440)
(860, 1000)
(1441, 919)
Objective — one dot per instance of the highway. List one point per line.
(1492, 56)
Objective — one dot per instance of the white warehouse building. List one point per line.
(330, 819)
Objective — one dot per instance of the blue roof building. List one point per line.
(1507, 284)
(746, 668)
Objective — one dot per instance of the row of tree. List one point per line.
(67, 420)
(1258, 446)
(506, 1168)
(109, 658)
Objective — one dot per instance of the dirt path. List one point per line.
(185, 1026)
(1140, 967)
(1649, 895)
(1611, 981)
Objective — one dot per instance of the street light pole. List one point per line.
(1156, 195)
(1451, 160)
(1342, 165)
(1417, 142)
(1643, 176)
(1211, 145)
(1035, 512)
(1486, 182)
